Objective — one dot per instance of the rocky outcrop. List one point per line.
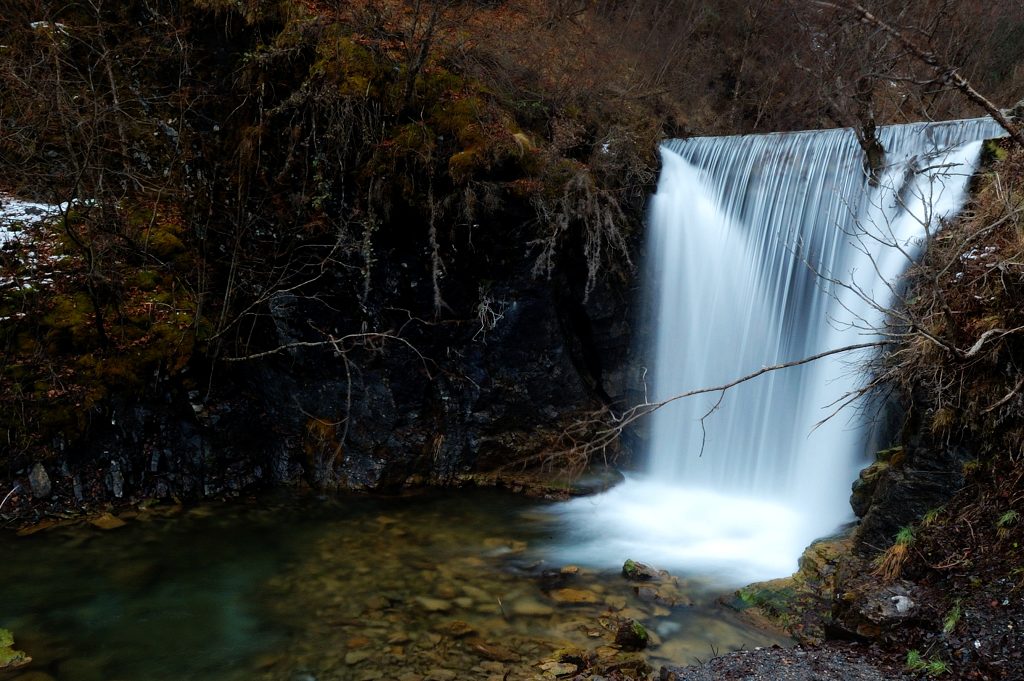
(417, 403)
(805, 603)
(902, 486)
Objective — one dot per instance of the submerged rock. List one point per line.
(356, 656)
(433, 604)
(529, 607)
(574, 596)
(559, 668)
(492, 651)
(455, 629)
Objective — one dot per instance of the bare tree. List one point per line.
(945, 72)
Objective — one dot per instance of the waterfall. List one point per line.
(767, 249)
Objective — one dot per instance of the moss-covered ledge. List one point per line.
(9, 657)
(803, 604)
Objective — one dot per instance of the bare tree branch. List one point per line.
(609, 426)
(337, 344)
(948, 72)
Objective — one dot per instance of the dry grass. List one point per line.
(890, 564)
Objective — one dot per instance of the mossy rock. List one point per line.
(638, 572)
(631, 636)
(992, 152)
(801, 604)
(9, 657)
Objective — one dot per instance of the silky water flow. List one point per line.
(763, 250)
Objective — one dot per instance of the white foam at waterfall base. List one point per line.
(725, 538)
(766, 249)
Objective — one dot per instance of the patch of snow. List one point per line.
(43, 25)
(975, 254)
(16, 214)
(34, 263)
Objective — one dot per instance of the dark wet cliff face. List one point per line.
(420, 401)
(310, 256)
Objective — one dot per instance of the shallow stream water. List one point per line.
(431, 588)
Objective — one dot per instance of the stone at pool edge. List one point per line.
(107, 521)
(631, 635)
(639, 572)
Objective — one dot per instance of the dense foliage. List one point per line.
(214, 153)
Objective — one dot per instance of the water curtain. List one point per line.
(766, 249)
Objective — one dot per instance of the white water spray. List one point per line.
(766, 249)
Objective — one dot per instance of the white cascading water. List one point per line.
(749, 239)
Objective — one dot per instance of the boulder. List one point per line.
(872, 610)
(639, 572)
(921, 477)
(631, 635)
(39, 481)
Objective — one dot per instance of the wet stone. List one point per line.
(455, 629)
(357, 656)
(559, 668)
(370, 675)
(530, 607)
(574, 596)
(631, 635)
(433, 604)
(39, 481)
(357, 642)
(428, 641)
(410, 676)
(639, 572)
(492, 651)
(476, 593)
(107, 522)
